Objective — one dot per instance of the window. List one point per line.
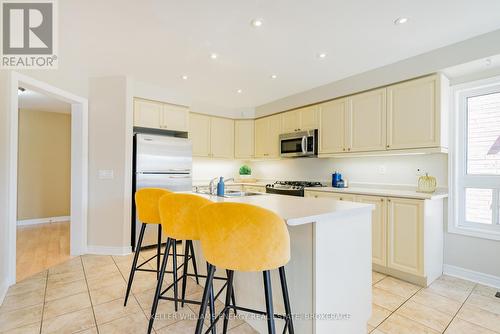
(476, 161)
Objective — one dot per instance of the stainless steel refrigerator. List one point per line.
(159, 162)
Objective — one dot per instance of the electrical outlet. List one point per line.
(382, 170)
(420, 172)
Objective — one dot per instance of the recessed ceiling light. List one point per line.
(400, 20)
(239, 91)
(488, 62)
(274, 76)
(214, 55)
(257, 23)
(184, 77)
(322, 55)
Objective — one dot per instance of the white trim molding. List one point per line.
(4, 287)
(109, 250)
(472, 275)
(46, 220)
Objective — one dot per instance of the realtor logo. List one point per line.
(28, 34)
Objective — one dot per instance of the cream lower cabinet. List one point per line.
(211, 136)
(267, 131)
(244, 139)
(407, 235)
(379, 227)
(159, 115)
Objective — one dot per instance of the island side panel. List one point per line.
(342, 274)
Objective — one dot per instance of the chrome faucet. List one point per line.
(211, 186)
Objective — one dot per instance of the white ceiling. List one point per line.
(158, 41)
(32, 100)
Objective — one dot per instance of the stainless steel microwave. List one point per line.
(299, 144)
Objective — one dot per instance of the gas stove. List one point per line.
(292, 188)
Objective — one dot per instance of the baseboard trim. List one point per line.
(3, 290)
(471, 275)
(106, 250)
(43, 220)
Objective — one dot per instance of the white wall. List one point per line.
(475, 48)
(4, 189)
(400, 170)
(110, 147)
(206, 169)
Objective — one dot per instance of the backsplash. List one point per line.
(205, 169)
(401, 170)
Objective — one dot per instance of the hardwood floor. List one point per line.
(41, 246)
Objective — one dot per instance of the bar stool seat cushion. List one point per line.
(179, 215)
(243, 237)
(146, 202)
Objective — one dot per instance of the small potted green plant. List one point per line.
(245, 172)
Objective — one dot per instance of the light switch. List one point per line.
(106, 174)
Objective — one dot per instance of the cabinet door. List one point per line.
(405, 235)
(147, 114)
(175, 118)
(199, 133)
(273, 136)
(261, 131)
(332, 125)
(309, 118)
(291, 121)
(335, 196)
(379, 228)
(244, 139)
(413, 114)
(367, 121)
(222, 137)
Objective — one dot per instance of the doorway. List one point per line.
(76, 221)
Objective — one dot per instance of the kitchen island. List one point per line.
(329, 274)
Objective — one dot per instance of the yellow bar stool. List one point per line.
(146, 201)
(179, 221)
(247, 238)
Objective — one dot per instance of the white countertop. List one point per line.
(298, 210)
(380, 191)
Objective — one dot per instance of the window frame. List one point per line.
(459, 179)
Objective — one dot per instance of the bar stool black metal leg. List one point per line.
(211, 306)
(174, 269)
(286, 300)
(233, 298)
(271, 329)
(184, 271)
(193, 259)
(229, 296)
(154, 307)
(205, 299)
(158, 253)
(134, 263)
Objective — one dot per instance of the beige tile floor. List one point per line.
(449, 305)
(85, 295)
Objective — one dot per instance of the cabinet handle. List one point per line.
(349, 149)
(388, 200)
(381, 199)
(343, 149)
(388, 146)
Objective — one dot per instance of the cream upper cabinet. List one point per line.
(199, 133)
(332, 126)
(222, 137)
(159, 115)
(415, 115)
(147, 114)
(379, 227)
(366, 119)
(267, 131)
(291, 121)
(175, 118)
(244, 144)
(300, 119)
(405, 235)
